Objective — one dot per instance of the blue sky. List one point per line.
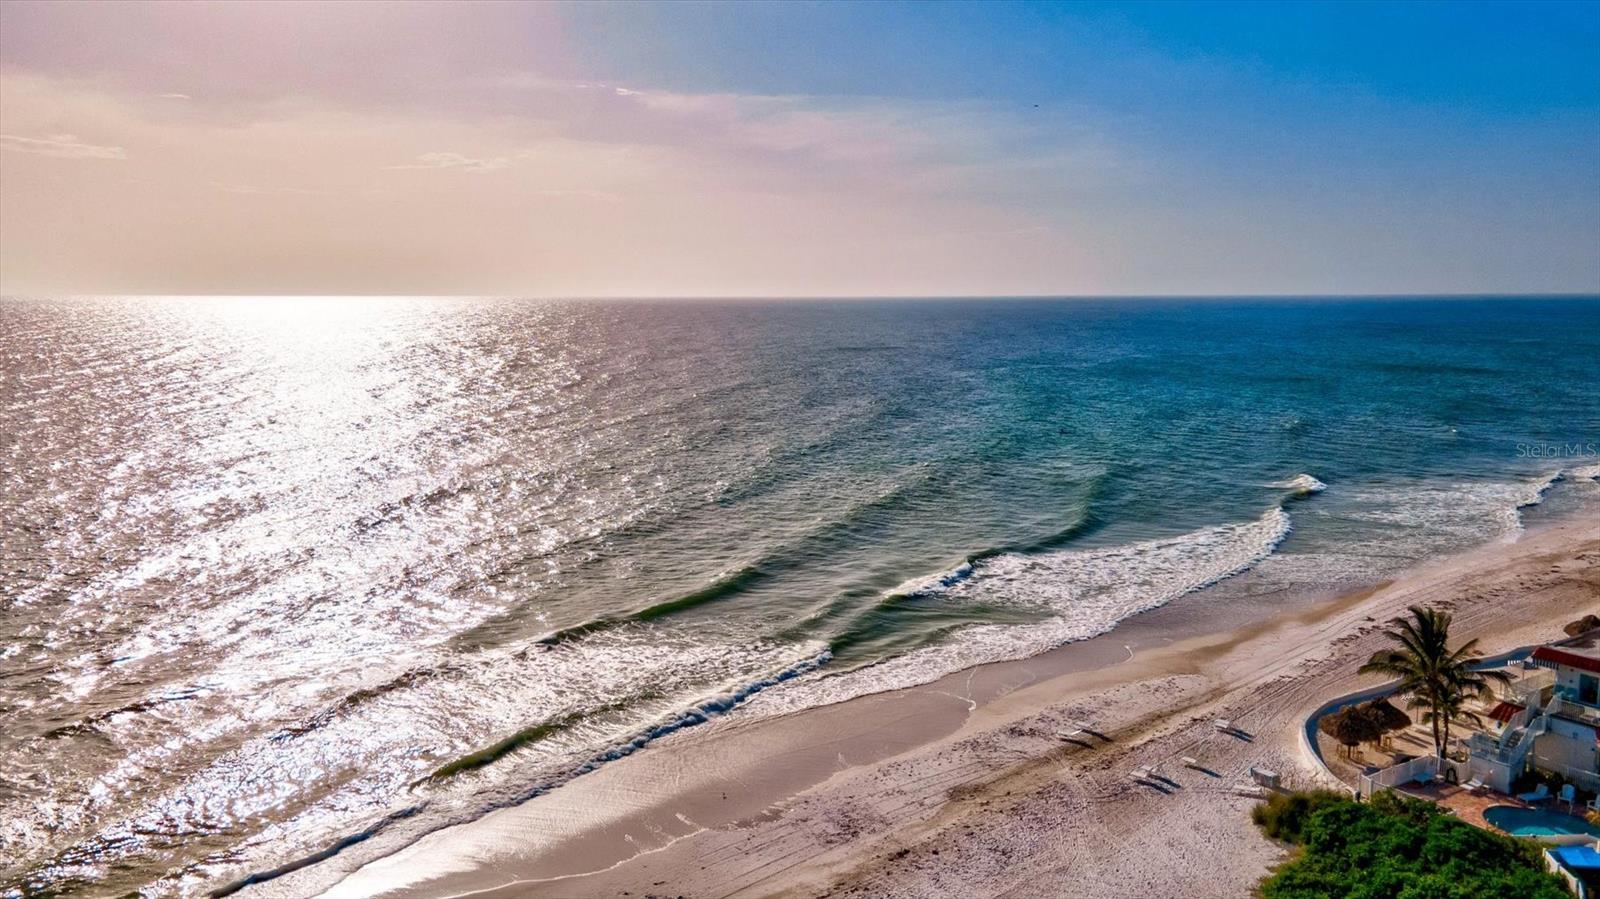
(805, 148)
(1502, 55)
(1370, 90)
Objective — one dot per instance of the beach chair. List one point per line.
(1538, 795)
(1569, 794)
(1223, 725)
(1067, 733)
(1474, 785)
(1190, 762)
(1594, 804)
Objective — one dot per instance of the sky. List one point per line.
(799, 149)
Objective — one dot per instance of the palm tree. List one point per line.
(1432, 675)
(1452, 705)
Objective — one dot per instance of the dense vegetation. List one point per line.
(1395, 848)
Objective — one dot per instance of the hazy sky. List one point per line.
(798, 149)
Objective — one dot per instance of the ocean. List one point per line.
(290, 577)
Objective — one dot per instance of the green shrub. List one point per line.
(1284, 816)
(1399, 805)
(1395, 847)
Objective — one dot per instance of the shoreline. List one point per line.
(961, 785)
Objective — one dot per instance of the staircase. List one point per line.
(1518, 742)
(1511, 748)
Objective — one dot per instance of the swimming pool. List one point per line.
(1537, 823)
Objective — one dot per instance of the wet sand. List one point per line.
(962, 787)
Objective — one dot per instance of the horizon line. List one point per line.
(802, 297)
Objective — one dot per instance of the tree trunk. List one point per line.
(1437, 707)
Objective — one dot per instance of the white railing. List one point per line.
(1528, 690)
(1530, 735)
(1485, 746)
(1512, 745)
(1520, 719)
(1423, 768)
(1576, 711)
(1580, 777)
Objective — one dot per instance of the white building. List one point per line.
(1551, 724)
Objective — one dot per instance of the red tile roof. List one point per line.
(1556, 656)
(1504, 711)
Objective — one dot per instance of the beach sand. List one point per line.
(962, 788)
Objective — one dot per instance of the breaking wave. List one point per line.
(1077, 593)
(1301, 484)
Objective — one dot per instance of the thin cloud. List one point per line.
(61, 146)
(600, 195)
(174, 97)
(253, 190)
(455, 161)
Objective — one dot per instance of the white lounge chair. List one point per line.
(1190, 761)
(1474, 785)
(1069, 733)
(1569, 794)
(1541, 793)
(1222, 724)
(1594, 804)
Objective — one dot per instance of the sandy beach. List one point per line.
(962, 787)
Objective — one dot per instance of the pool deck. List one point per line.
(1469, 807)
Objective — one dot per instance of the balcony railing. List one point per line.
(1573, 711)
(1528, 690)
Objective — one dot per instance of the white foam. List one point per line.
(1300, 484)
(1532, 492)
(666, 685)
(1084, 592)
(1583, 472)
(933, 582)
(1442, 516)
(1528, 493)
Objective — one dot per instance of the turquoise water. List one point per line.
(1526, 822)
(278, 573)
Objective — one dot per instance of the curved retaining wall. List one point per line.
(1308, 732)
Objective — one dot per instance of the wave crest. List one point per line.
(1582, 472)
(1301, 484)
(1082, 592)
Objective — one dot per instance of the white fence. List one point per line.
(1422, 769)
